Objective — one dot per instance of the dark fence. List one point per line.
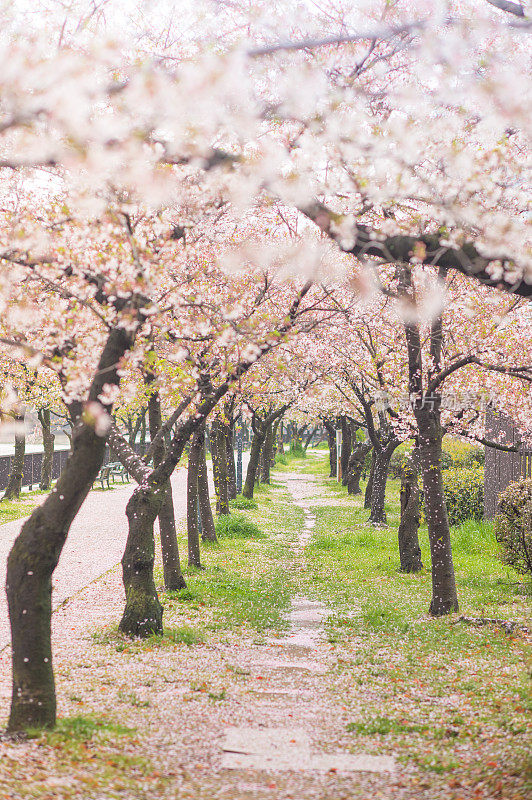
(31, 475)
(32, 467)
(502, 468)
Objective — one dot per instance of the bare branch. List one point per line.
(382, 33)
(437, 252)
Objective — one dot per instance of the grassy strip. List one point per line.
(16, 509)
(244, 584)
(81, 757)
(438, 693)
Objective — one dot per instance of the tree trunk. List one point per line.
(34, 557)
(143, 614)
(30, 566)
(356, 465)
(194, 456)
(142, 441)
(253, 466)
(14, 482)
(266, 459)
(409, 550)
(444, 595)
(231, 467)
(345, 451)
(48, 440)
(134, 427)
(222, 497)
(172, 573)
(378, 489)
(331, 441)
(213, 446)
(280, 439)
(275, 440)
(369, 485)
(309, 437)
(208, 531)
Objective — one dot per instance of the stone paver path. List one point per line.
(293, 692)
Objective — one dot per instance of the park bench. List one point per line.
(118, 470)
(104, 475)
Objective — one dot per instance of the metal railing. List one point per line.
(31, 475)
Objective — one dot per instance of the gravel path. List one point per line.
(95, 542)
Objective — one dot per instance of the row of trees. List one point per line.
(188, 215)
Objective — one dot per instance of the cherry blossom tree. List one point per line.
(392, 127)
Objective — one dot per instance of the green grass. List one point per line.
(83, 757)
(406, 664)
(70, 730)
(237, 526)
(184, 634)
(242, 502)
(16, 509)
(246, 582)
(290, 459)
(382, 726)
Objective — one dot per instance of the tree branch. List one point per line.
(401, 248)
(127, 456)
(376, 33)
(506, 5)
(506, 448)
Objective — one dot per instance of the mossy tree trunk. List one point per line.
(409, 549)
(14, 481)
(48, 440)
(143, 613)
(36, 551)
(172, 573)
(193, 536)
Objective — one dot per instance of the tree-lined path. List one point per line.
(304, 227)
(286, 671)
